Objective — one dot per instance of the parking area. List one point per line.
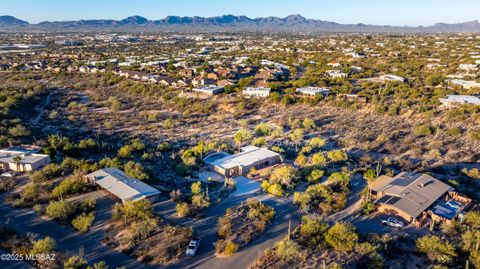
(373, 224)
(246, 186)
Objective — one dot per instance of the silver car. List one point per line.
(193, 246)
(393, 222)
(8, 174)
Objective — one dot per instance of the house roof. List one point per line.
(121, 185)
(409, 192)
(465, 99)
(249, 156)
(7, 156)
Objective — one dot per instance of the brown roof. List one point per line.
(409, 192)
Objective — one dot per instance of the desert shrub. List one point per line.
(224, 226)
(43, 246)
(88, 205)
(317, 142)
(183, 209)
(319, 159)
(341, 236)
(48, 172)
(312, 231)
(337, 155)
(74, 262)
(274, 189)
(264, 129)
(70, 186)
(436, 249)
(143, 228)
(423, 130)
(315, 175)
(60, 210)
(7, 184)
(135, 170)
(30, 192)
(474, 135)
(226, 248)
(83, 222)
(260, 141)
(287, 249)
(368, 208)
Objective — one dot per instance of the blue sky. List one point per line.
(393, 12)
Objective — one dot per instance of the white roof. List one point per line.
(313, 90)
(249, 156)
(119, 184)
(465, 99)
(6, 156)
(258, 89)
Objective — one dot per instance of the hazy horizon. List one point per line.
(407, 13)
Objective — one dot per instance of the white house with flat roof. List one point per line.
(256, 92)
(459, 100)
(241, 163)
(22, 160)
(392, 78)
(314, 91)
(125, 188)
(465, 83)
(209, 89)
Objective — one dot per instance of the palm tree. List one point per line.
(17, 160)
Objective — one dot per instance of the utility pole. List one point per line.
(289, 228)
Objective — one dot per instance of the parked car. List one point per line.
(193, 246)
(393, 222)
(8, 174)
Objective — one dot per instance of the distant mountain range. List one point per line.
(226, 23)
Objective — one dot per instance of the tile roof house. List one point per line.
(122, 186)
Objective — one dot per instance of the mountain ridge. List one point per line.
(291, 23)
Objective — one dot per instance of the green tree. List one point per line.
(342, 236)
(60, 210)
(436, 249)
(182, 209)
(242, 136)
(287, 250)
(43, 246)
(74, 262)
(285, 175)
(297, 137)
(83, 222)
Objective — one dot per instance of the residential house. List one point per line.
(414, 197)
(465, 83)
(453, 100)
(256, 92)
(250, 157)
(336, 74)
(209, 90)
(21, 159)
(122, 186)
(386, 78)
(186, 73)
(313, 91)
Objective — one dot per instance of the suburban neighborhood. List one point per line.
(217, 142)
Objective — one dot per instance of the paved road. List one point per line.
(207, 229)
(26, 221)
